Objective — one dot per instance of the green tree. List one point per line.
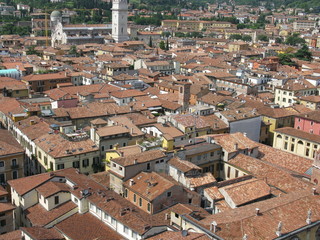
(295, 40)
(285, 59)
(31, 51)
(235, 37)
(247, 38)
(263, 38)
(279, 40)
(150, 41)
(73, 50)
(304, 53)
(162, 45)
(179, 34)
(167, 44)
(165, 34)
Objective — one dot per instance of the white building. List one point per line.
(119, 20)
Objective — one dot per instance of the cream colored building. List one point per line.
(296, 141)
(55, 152)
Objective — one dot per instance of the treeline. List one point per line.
(151, 20)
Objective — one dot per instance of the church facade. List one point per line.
(76, 34)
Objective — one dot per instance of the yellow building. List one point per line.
(11, 158)
(296, 141)
(58, 151)
(120, 152)
(276, 118)
(312, 102)
(238, 46)
(194, 25)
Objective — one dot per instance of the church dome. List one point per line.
(55, 14)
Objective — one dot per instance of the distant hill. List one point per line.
(306, 4)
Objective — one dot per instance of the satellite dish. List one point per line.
(184, 233)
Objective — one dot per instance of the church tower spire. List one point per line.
(119, 20)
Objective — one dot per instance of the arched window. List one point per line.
(300, 142)
(279, 136)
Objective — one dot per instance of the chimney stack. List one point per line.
(32, 122)
(257, 211)
(213, 226)
(308, 221)
(279, 229)
(236, 146)
(131, 182)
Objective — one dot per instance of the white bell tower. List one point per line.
(119, 20)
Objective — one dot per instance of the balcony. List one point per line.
(15, 166)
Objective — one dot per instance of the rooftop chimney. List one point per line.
(131, 182)
(314, 191)
(308, 221)
(32, 122)
(257, 211)
(279, 229)
(236, 146)
(213, 226)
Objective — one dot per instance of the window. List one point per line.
(2, 164)
(113, 221)
(221, 166)
(61, 166)
(134, 235)
(126, 193)
(14, 162)
(56, 200)
(169, 194)
(199, 157)
(134, 197)
(149, 207)
(85, 163)
(92, 207)
(102, 148)
(125, 229)
(229, 170)
(140, 202)
(14, 174)
(237, 173)
(285, 145)
(76, 164)
(106, 216)
(292, 147)
(3, 223)
(148, 166)
(176, 215)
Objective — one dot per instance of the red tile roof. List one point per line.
(86, 227)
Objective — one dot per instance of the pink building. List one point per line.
(308, 122)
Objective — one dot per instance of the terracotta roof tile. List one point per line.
(87, 227)
(139, 158)
(39, 216)
(182, 165)
(40, 233)
(246, 191)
